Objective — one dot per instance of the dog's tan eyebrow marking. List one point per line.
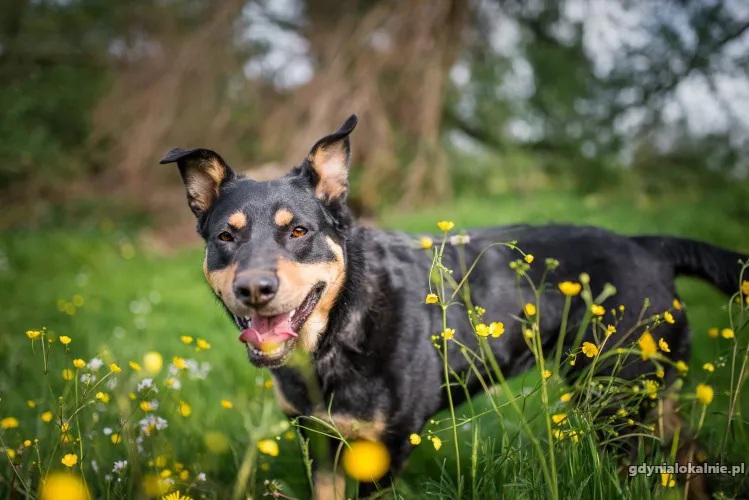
(283, 217)
(237, 220)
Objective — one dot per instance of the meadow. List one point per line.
(132, 359)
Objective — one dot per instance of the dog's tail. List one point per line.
(715, 265)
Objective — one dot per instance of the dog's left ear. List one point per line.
(330, 158)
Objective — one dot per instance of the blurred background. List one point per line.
(633, 115)
(481, 98)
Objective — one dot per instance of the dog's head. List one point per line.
(275, 250)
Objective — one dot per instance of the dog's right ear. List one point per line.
(203, 172)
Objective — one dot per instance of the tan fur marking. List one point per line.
(352, 428)
(330, 165)
(286, 407)
(203, 181)
(329, 487)
(237, 220)
(298, 279)
(221, 280)
(283, 217)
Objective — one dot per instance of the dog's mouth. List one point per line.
(271, 339)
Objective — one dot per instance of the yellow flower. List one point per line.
(184, 475)
(426, 242)
(268, 384)
(529, 258)
(590, 349)
(160, 461)
(597, 310)
(708, 367)
(103, 397)
(9, 423)
(227, 404)
(115, 438)
(67, 374)
(651, 388)
(152, 361)
(186, 339)
(449, 333)
(667, 480)
(179, 362)
(529, 309)
(482, 330)
(289, 435)
(65, 340)
(64, 486)
(202, 344)
(69, 460)
(677, 305)
(432, 299)
(660, 374)
(135, 366)
(622, 412)
(745, 287)
(366, 460)
(131, 396)
(669, 318)
(268, 447)
(496, 329)
(437, 443)
(663, 345)
(176, 495)
(146, 406)
(445, 225)
(415, 439)
(31, 404)
(546, 374)
(165, 473)
(79, 363)
(682, 367)
(647, 346)
(114, 368)
(712, 333)
(32, 334)
(528, 333)
(184, 409)
(559, 418)
(46, 416)
(27, 443)
(566, 397)
(727, 333)
(570, 288)
(705, 394)
(610, 329)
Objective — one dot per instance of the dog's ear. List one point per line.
(203, 172)
(330, 158)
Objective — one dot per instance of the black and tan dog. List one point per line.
(287, 262)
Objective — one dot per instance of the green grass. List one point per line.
(136, 301)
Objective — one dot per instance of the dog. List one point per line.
(292, 269)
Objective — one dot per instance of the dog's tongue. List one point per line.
(267, 332)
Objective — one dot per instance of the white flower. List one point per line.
(94, 466)
(147, 383)
(169, 481)
(174, 383)
(460, 239)
(87, 378)
(107, 431)
(107, 477)
(152, 422)
(95, 364)
(111, 383)
(119, 466)
(200, 477)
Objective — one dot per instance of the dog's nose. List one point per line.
(255, 288)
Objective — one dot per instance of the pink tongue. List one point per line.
(268, 332)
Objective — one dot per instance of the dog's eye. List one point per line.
(298, 232)
(225, 236)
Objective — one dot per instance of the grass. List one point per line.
(136, 301)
